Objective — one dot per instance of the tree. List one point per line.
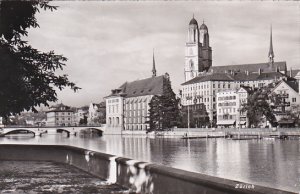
(164, 111)
(83, 121)
(259, 105)
(27, 76)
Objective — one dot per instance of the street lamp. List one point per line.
(188, 107)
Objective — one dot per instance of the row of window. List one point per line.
(227, 98)
(227, 110)
(135, 120)
(113, 101)
(113, 121)
(135, 113)
(224, 85)
(134, 106)
(62, 113)
(227, 104)
(62, 119)
(113, 108)
(135, 127)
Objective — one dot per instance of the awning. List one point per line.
(226, 122)
(242, 122)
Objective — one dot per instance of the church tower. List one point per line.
(206, 49)
(153, 67)
(193, 58)
(271, 52)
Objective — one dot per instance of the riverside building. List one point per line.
(203, 80)
(229, 105)
(60, 115)
(127, 106)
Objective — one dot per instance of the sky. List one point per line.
(109, 43)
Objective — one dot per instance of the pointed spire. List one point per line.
(271, 52)
(153, 68)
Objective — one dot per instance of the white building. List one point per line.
(128, 106)
(60, 115)
(95, 111)
(289, 93)
(229, 105)
(80, 113)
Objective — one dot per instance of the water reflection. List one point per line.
(272, 163)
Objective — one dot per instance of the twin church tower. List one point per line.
(198, 53)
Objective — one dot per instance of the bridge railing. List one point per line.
(59, 126)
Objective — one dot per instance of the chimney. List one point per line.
(291, 75)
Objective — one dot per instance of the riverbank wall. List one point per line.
(140, 177)
(255, 133)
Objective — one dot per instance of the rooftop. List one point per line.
(254, 67)
(148, 86)
(236, 76)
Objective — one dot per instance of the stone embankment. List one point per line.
(232, 133)
(139, 177)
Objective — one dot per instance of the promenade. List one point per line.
(50, 177)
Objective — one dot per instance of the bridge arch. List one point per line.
(18, 131)
(60, 130)
(92, 129)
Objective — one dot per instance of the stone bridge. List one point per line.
(39, 131)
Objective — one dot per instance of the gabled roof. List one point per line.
(265, 67)
(291, 83)
(149, 86)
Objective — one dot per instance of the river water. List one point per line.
(272, 163)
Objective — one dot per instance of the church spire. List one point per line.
(153, 68)
(271, 53)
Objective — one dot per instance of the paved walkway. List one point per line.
(50, 177)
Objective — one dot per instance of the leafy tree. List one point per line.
(83, 121)
(260, 104)
(27, 76)
(164, 111)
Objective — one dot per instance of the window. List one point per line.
(294, 100)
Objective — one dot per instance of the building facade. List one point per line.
(60, 115)
(229, 108)
(289, 94)
(128, 106)
(203, 84)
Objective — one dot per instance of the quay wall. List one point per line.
(208, 132)
(140, 177)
